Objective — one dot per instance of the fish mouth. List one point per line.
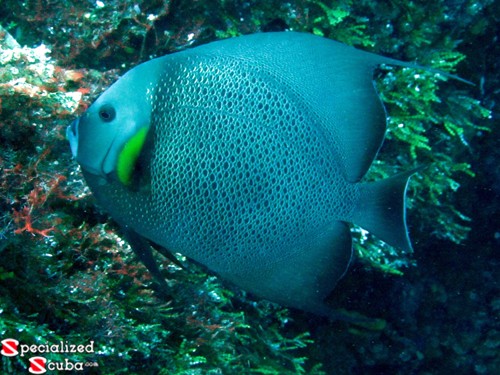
(72, 136)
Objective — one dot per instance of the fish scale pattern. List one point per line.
(241, 167)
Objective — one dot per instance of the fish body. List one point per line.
(246, 156)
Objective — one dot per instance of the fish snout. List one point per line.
(72, 136)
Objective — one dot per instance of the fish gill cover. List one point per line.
(66, 276)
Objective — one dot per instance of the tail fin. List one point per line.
(382, 209)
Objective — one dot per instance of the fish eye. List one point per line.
(107, 113)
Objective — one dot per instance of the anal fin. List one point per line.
(309, 272)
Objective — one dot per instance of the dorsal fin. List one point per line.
(333, 79)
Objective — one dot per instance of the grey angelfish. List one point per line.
(246, 156)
